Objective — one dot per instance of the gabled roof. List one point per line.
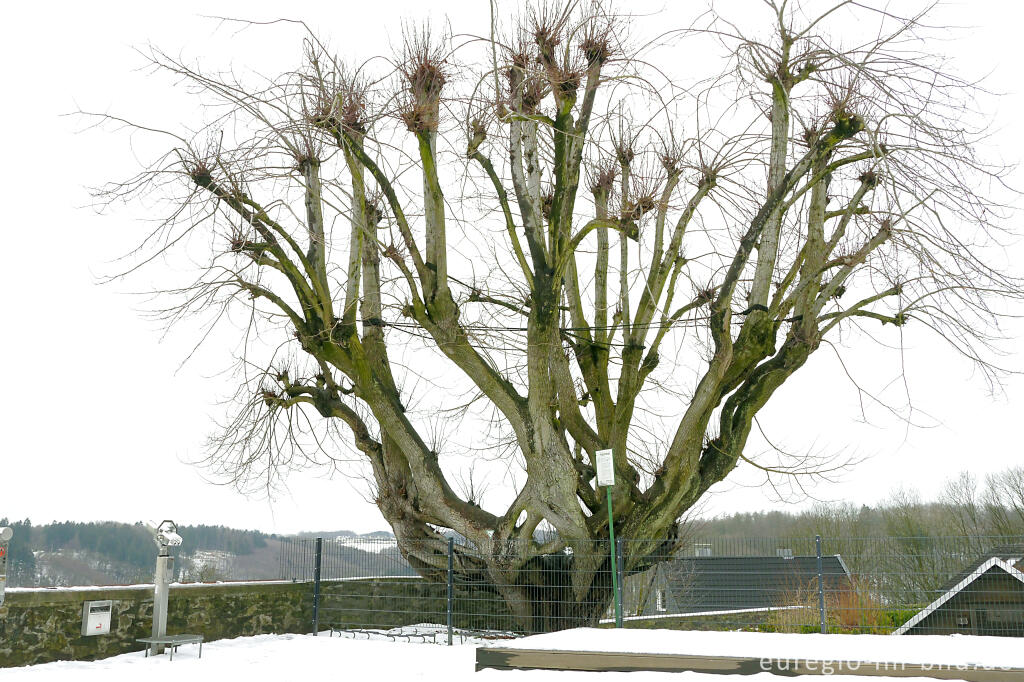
(1009, 553)
(981, 569)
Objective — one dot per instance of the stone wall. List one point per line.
(42, 625)
(383, 603)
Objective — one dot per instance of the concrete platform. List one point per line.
(546, 659)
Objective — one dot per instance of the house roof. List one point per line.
(992, 563)
(1008, 553)
(719, 583)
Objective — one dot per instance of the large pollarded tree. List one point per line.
(540, 237)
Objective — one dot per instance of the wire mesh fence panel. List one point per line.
(527, 594)
(368, 584)
(296, 559)
(726, 584)
(879, 585)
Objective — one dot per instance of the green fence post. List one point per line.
(451, 585)
(821, 586)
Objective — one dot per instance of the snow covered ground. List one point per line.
(945, 650)
(373, 656)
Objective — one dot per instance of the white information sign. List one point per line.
(605, 468)
(96, 617)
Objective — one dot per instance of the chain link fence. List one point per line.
(878, 585)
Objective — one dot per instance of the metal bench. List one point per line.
(174, 641)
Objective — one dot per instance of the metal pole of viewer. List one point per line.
(165, 536)
(161, 590)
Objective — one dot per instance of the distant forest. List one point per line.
(966, 506)
(119, 549)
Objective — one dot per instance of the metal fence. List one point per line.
(888, 585)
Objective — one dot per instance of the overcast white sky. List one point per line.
(99, 417)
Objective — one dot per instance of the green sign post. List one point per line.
(606, 477)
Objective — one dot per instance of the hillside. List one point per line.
(109, 553)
